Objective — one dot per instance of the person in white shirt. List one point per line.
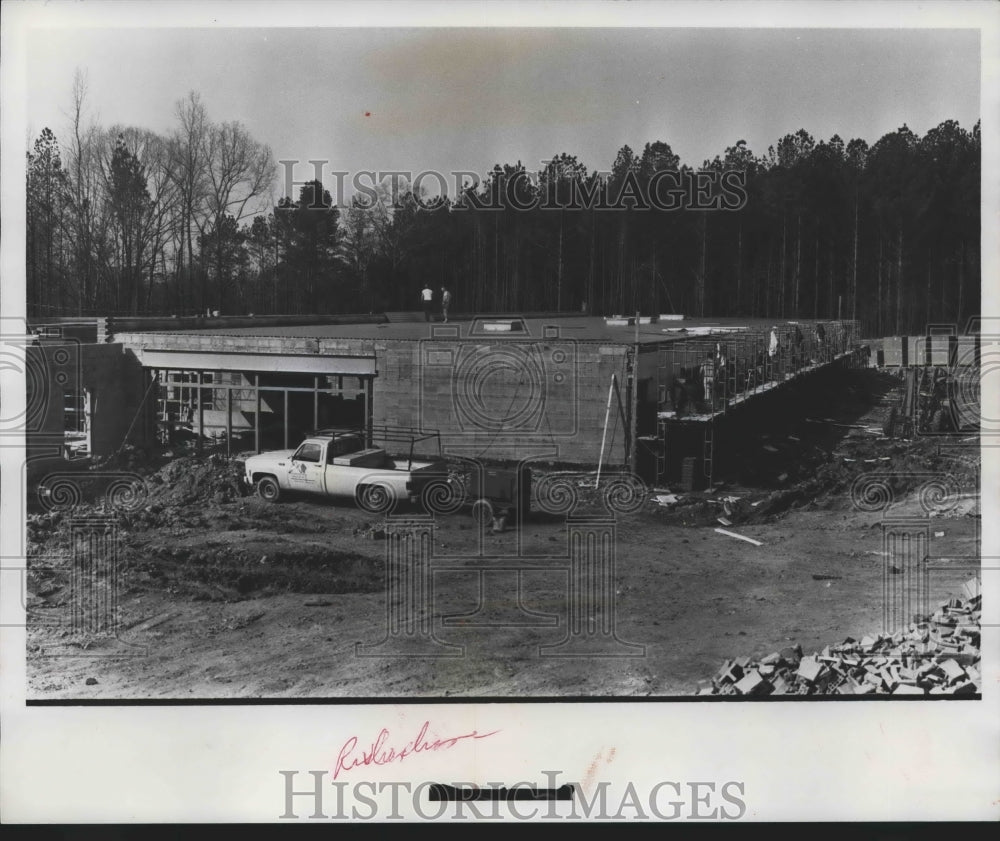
(427, 297)
(772, 350)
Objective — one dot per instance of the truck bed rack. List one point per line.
(408, 436)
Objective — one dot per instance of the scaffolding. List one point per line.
(701, 379)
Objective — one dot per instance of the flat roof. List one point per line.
(579, 328)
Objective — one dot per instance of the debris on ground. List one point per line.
(739, 537)
(191, 477)
(371, 531)
(938, 655)
(814, 462)
(666, 499)
(147, 494)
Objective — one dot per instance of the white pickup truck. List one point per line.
(339, 465)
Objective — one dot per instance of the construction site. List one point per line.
(645, 505)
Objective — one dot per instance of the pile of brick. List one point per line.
(936, 656)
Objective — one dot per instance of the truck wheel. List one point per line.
(374, 499)
(482, 512)
(268, 489)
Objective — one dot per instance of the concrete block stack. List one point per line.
(938, 655)
(894, 351)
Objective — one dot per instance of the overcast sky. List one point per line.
(464, 98)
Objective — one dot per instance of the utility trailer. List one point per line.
(487, 492)
(493, 492)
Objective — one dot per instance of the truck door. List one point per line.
(341, 480)
(306, 471)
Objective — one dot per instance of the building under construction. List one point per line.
(663, 396)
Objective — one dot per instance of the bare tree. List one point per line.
(81, 219)
(158, 224)
(239, 172)
(188, 169)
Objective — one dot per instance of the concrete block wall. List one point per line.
(135, 324)
(552, 394)
(894, 349)
(246, 344)
(916, 350)
(966, 351)
(936, 350)
(940, 349)
(122, 406)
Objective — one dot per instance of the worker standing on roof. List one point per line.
(708, 381)
(445, 301)
(427, 298)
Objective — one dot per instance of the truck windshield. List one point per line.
(308, 452)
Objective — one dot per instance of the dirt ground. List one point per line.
(225, 596)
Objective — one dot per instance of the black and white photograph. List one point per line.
(435, 372)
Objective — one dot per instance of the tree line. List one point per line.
(126, 221)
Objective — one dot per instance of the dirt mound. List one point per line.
(139, 494)
(126, 486)
(193, 480)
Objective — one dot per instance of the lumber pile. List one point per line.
(936, 656)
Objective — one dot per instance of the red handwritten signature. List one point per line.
(380, 754)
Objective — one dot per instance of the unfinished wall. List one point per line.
(938, 350)
(246, 343)
(503, 399)
(121, 407)
(111, 386)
